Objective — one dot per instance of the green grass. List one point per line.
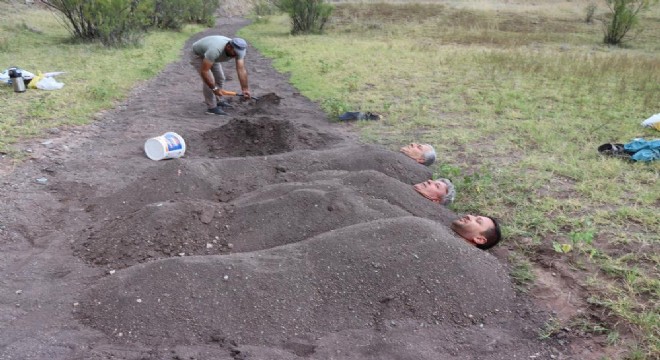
(516, 101)
(92, 80)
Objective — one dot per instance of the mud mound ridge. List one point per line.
(170, 180)
(252, 222)
(158, 230)
(358, 277)
(262, 136)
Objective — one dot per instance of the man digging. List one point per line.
(207, 54)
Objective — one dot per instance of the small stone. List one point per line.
(18, 292)
(209, 246)
(42, 180)
(111, 272)
(139, 300)
(230, 245)
(75, 304)
(182, 254)
(226, 277)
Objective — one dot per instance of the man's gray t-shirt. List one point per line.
(213, 48)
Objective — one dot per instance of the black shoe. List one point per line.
(215, 111)
(224, 104)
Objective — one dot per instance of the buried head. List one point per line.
(441, 191)
(482, 231)
(422, 153)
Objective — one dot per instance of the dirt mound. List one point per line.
(260, 136)
(327, 201)
(360, 277)
(171, 180)
(156, 231)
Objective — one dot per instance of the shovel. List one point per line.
(233, 93)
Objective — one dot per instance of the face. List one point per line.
(432, 189)
(470, 227)
(416, 151)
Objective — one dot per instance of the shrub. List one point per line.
(590, 10)
(307, 16)
(172, 14)
(624, 16)
(264, 8)
(122, 22)
(113, 22)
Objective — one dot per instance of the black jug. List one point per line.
(17, 81)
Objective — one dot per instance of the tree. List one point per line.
(624, 16)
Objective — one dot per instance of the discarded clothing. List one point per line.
(643, 150)
(636, 150)
(357, 115)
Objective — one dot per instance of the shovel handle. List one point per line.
(251, 97)
(229, 93)
(234, 93)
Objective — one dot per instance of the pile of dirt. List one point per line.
(260, 136)
(366, 276)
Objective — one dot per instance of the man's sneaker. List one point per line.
(216, 111)
(224, 104)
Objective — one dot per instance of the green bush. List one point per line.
(113, 22)
(623, 17)
(124, 22)
(173, 14)
(307, 16)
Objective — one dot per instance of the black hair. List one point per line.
(493, 235)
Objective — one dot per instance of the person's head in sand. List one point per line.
(440, 191)
(481, 231)
(422, 153)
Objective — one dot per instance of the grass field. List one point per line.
(516, 97)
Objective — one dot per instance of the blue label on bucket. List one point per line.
(173, 142)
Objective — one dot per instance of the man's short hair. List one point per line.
(451, 192)
(492, 235)
(429, 156)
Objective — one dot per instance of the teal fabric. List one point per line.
(643, 150)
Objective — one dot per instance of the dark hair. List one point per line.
(493, 235)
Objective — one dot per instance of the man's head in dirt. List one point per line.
(440, 191)
(422, 153)
(481, 231)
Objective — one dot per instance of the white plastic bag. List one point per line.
(652, 120)
(49, 83)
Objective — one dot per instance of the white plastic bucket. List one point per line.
(167, 146)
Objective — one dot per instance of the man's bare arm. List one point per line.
(243, 77)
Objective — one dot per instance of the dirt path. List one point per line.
(277, 236)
